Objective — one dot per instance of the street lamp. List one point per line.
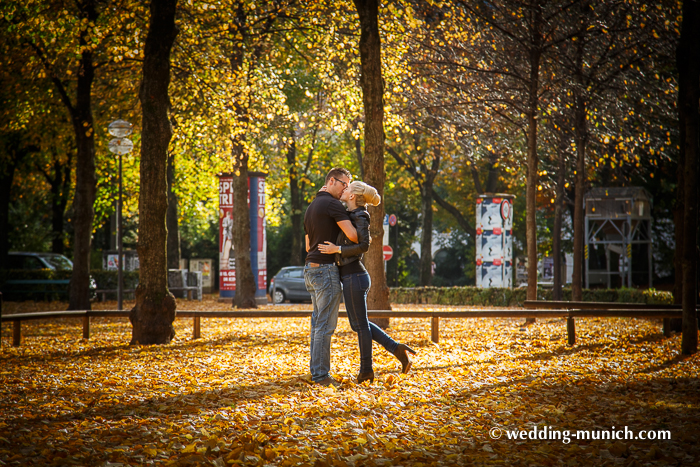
(120, 129)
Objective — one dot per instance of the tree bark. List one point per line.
(372, 85)
(426, 244)
(689, 74)
(295, 196)
(461, 220)
(153, 315)
(558, 215)
(245, 282)
(426, 238)
(581, 139)
(85, 178)
(16, 148)
(492, 174)
(59, 186)
(358, 148)
(676, 324)
(171, 218)
(535, 54)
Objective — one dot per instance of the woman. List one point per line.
(356, 281)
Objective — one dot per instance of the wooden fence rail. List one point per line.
(551, 304)
(434, 316)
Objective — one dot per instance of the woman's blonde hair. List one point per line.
(364, 194)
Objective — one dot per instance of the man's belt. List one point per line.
(312, 265)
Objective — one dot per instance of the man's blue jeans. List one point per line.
(355, 288)
(323, 283)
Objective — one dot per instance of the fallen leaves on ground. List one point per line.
(238, 396)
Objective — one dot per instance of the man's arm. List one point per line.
(349, 229)
(307, 244)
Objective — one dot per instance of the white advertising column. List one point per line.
(494, 240)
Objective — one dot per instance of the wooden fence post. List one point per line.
(435, 329)
(571, 330)
(196, 334)
(86, 326)
(667, 327)
(16, 333)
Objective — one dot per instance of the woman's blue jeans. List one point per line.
(355, 288)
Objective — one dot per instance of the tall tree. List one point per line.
(80, 111)
(372, 86)
(171, 223)
(15, 148)
(153, 315)
(424, 168)
(57, 173)
(689, 118)
(297, 175)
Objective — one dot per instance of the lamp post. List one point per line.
(120, 144)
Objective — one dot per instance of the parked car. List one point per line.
(28, 260)
(289, 284)
(31, 261)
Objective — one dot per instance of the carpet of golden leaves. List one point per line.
(237, 396)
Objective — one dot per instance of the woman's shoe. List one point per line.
(401, 353)
(367, 375)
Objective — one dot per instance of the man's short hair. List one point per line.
(336, 173)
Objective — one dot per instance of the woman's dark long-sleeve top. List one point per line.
(349, 260)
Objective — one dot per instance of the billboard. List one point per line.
(258, 238)
(494, 241)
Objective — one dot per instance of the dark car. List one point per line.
(31, 260)
(289, 284)
(27, 260)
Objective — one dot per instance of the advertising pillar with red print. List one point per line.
(258, 237)
(494, 240)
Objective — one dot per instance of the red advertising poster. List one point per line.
(258, 239)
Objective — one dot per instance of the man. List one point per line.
(323, 221)
(227, 227)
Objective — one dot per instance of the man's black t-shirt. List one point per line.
(321, 225)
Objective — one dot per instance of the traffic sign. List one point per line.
(388, 252)
(392, 220)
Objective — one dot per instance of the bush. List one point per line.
(473, 296)
(33, 292)
(106, 280)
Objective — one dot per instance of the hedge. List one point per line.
(106, 280)
(516, 297)
(33, 292)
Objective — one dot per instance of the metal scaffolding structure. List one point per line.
(617, 219)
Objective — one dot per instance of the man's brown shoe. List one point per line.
(329, 381)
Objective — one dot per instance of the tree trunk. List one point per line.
(676, 324)
(689, 75)
(492, 174)
(7, 175)
(85, 178)
(245, 282)
(15, 152)
(427, 194)
(426, 239)
(171, 218)
(373, 162)
(153, 315)
(581, 139)
(558, 214)
(59, 184)
(295, 195)
(358, 148)
(535, 55)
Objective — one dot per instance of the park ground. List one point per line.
(238, 395)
